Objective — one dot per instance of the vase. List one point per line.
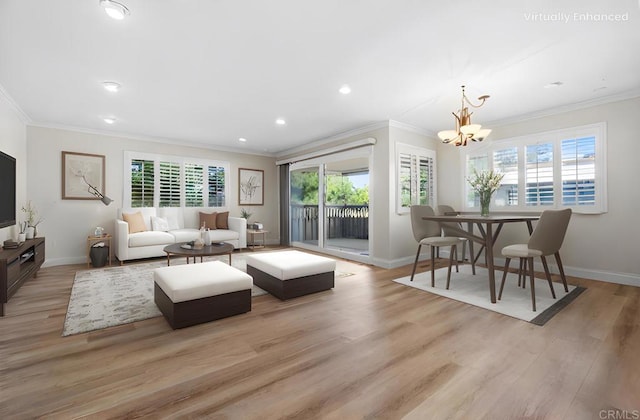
(22, 237)
(485, 201)
(30, 230)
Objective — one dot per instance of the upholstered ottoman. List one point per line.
(289, 274)
(195, 293)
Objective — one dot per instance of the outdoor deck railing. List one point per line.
(341, 222)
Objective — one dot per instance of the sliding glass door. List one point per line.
(304, 196)
(329, 204)
(346, 205)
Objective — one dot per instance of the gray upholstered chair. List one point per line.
(429, 233)
(545, 240)
(446, 210)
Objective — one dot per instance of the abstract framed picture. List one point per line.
(79, 172)
(250, 187)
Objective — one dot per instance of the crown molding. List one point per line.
(412, 128)
(336, 137)
(14, 105)
(631, 94)
(162, 140)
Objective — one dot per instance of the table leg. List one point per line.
(530, 227)
(168, 259)
(488, 249)
(471, 256)
(230, 258)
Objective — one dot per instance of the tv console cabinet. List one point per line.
(18, 265)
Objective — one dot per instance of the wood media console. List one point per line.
(18, 265)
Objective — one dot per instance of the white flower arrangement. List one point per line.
(485, 181)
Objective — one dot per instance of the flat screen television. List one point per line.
(7, 190)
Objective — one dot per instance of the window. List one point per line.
(169, 184)
(216, 186)
(193, 185)
(142, 183)
(172, 181)
(415, 176)
(563, 168)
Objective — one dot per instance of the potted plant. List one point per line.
(32, 221)
(245, 214)
(485, 184)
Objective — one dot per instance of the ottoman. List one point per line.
(195, 293)
(289, 274)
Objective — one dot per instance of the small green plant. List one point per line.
(245, 214)
(31, 214)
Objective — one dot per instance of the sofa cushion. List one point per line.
(183, 283)
(150, 238)
(221, 235)
(135, 221)
(208, 220)
(174, 216)
(159, 224)
(222, 220)
(286, 265)
(147, 212)
(185, 235)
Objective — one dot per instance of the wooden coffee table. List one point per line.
(205, 251)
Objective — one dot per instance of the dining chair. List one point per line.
(447, 210)
(429, 233)
(545, 240)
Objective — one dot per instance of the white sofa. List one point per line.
(183, 227)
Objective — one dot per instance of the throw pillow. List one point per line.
(159, 224)
(208, 220)
(135, 221)
(222, 221)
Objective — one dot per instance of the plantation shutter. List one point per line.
(193, 185)
(169, 184)
(142, 183)
(539, 175)
(578, 171)
(216, 186)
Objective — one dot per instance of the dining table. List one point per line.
(489, 228)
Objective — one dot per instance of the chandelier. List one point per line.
(464, 129)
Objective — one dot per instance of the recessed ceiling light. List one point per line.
(109, 120)
(345, 90)
(111, 86)
(280, 121)
(114, 9)
(553, 85)
(242, 139)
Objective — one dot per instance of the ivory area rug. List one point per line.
(106, 297)
(515, 302)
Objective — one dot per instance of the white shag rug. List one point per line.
(110, 296)
(515, 302)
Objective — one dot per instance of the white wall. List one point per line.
(601, 246)
(68, 222)
(402, 245)
(13, 141)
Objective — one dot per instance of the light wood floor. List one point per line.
(370, 348)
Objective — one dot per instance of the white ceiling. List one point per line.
(211, 71)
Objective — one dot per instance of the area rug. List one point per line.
(515, 302)
(102, 298)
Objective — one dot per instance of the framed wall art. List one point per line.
(251, 187)
(81, 172)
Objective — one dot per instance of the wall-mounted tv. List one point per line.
(7, 190)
